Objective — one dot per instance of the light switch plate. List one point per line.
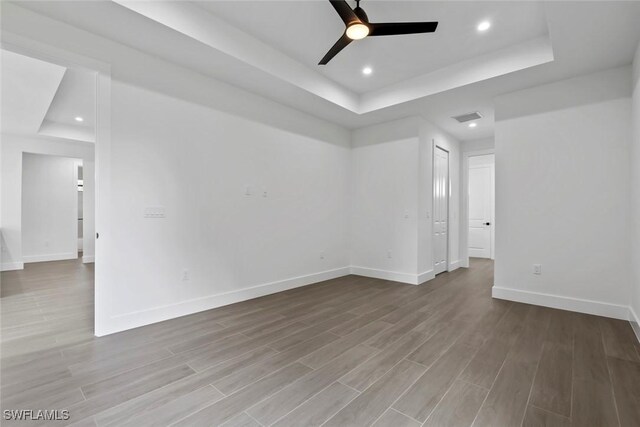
(154, 212)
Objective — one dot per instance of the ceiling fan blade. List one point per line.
(337, 47)
(395, 28)
(344, 10)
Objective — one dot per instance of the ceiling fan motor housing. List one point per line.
(360, 13)
(358, 27)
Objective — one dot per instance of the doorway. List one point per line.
(440, 210)
(51, 208)
(481, 227)
(71, 120)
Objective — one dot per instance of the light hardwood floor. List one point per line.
(347, 352)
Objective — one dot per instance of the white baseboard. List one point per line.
(10, 266)
(635, 322)
(395, 276)
(454, 265)
(564, 303)
(88, 259)
(49, 257)
(426, 276)
(136, 319)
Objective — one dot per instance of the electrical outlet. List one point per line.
(537, 269)
(389, 253)
(247, 190)
(185, 275)
(321, 254)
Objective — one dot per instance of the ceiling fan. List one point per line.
(358, 27)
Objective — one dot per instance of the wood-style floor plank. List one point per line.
(151, 401)
(370, 371)
(393, 418)
(619, 339)
(484, 367)
(372, 403)
(507, 400)
(459, 406)
(536, 417)
(177, 409)
(242, 420)
(593, 403)
(318, 409)
(625, 376)
(552, 385)
(280, 404)
(226, 408)
(351, 351)
(336, 348)
(422, 397)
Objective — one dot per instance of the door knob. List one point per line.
(487, 223)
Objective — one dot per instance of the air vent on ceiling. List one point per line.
(467, 117)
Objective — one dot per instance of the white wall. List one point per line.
(478, 144)
(562, 194)
(12, 148)
(173, 144)
(392, 199)
(482, 160)
(49, 208)
(635, 194)
(196, 163)
(384, 200)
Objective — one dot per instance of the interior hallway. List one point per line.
(349, 351)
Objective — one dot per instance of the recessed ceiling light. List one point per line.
(367, 70)
(472, 125)
(79, 119)
(484, 26)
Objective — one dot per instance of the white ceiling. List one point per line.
(39, 97)
(75, 98)
(28, 86)
(305, 30)
(210, 30)
(530, 43)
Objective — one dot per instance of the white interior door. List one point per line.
(440, 209)
(481, 208)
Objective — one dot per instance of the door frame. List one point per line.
(435, 146)
(102, 152)
(464, 214)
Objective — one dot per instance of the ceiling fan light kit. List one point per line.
(357, 27)
(357, 31)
